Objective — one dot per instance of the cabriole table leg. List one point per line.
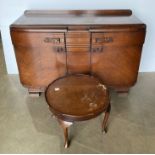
(65, 125)
(105, 120)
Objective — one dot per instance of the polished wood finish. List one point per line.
(105, 120)
(105, 43)
(77, 98)
(65, 125)
(79, 12)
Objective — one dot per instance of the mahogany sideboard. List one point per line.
(105, 43)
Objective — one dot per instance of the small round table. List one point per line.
(77, 98)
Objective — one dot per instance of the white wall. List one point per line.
(10, 10)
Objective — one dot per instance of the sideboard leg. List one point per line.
(34, 94)
(65, 125)
(105, 120)
(122, 91)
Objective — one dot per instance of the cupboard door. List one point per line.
(116, 66)
(53, 63)
(39, 66)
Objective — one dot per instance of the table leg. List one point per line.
(105, 120)
(65, 126)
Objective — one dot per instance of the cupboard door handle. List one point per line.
(53, 40)
(104, 40)
(97, 49)
(59, 49)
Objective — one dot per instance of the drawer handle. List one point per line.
(104, 40)
(59, 49)
(97, 49)
(53, 40)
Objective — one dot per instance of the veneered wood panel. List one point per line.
(78, 49)
(40, 65)
(78, 62)
(117, 67)
(77, 38)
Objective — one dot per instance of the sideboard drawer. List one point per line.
(77, 38)
(37, 39)
(78, 49)
(118, 38)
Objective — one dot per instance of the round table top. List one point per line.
(77, 97)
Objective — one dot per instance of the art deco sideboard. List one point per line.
(104, 43)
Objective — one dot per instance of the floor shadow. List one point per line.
(2, 60)
(42, 117)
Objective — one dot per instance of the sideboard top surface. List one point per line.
(44, 18)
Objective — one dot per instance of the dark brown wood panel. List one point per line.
(78, 62)
(78, 49)
(122, 12)
(77, 41)
(77, 38)
(117, 67)
(77, 34)
(39, 66)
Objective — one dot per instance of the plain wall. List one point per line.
(10, 10)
